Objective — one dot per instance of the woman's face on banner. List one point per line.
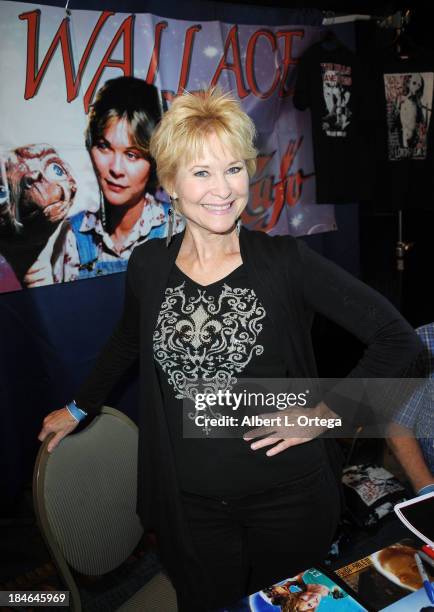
(213, 190)
(121, 168)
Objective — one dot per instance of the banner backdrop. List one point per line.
(52, 66)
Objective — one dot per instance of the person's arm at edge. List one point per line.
(407, 450)
(401, 438)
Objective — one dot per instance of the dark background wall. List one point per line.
(50, 336)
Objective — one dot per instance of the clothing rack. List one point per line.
(397, 21)
(394, 21)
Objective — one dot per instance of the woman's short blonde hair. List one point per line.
(183, 129)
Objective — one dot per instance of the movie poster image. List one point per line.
(408, 106)
(310, 590)
(337, 86)
(8, 278)
(64, 184)
(388, 577)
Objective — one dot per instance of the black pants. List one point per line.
(248, 543)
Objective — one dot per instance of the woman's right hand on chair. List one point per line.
(61, 422)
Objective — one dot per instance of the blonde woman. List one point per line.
(220, 304)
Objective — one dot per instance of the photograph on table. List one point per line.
(386, 576)
(310, 590)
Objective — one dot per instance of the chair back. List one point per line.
(85, 495)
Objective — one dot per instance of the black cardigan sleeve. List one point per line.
(391, 343)
(118, 354)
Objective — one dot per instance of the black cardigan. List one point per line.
(292, 282)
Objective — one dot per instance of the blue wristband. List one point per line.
(426, 489)
(75, 411)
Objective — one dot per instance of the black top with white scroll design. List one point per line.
(220, 334)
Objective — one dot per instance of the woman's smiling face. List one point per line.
(213, 190)
(121, 167)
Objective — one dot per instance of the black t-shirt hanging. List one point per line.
(405, 138)
(334, 84)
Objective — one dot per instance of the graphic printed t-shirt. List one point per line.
(334, 84)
